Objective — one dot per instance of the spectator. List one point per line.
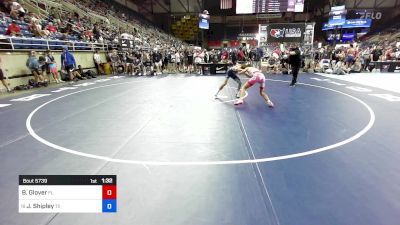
(13, 29)
(137, 64)
(178, 61)
(97, 62)
(51, 28)
(114, 61)
(147, 63)
(17, 12)
(351, 55)
(241, 56)
(35, 67)
(52, 66)
(129, 63)
(366, 58)
(375, 56)
(3, 79)
(340, 68)
(68, 62)
(157, 60)
(357, 66)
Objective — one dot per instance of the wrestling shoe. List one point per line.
(270, 104)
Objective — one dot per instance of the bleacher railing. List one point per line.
(29, 44)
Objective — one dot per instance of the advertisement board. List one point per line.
(355, 23)
(285, 32)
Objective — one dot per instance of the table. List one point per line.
(214, 68)
(387, 66)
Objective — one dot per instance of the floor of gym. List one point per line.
(326, 154)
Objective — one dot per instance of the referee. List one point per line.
(295, 62)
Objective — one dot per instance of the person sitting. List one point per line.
(35, 67)
(17, 12)
(340, 68)
(357, 66)
(36, 29)
(51, 28)
(272, 66)
(136, 65)
(14, 29)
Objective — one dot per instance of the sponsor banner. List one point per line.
(126, 44)
(350, 24)
(285, 32)
(337, 15)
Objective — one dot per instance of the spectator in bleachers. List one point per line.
(68, 62)
(13, 29)
(51, 28)
(35, 67)
(16, 11)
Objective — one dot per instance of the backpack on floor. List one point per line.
(91, 73)
(32, 83)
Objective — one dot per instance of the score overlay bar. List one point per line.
(67, 194)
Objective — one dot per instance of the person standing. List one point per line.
(52, 66)
(3, 79)
(97, 62)
(256, 76)
(68, 62)
(295, 62)
(157, 61)
(232, 74)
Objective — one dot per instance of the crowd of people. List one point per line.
(180, 59)
(70, 25)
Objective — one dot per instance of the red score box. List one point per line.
(109, 192)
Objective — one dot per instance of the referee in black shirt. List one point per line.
(295, 62)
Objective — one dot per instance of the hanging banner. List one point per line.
(309, 34)
(284, 32)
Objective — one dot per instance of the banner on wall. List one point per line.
(126, 44)
(282, 32)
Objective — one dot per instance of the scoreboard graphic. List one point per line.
(67, 193)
